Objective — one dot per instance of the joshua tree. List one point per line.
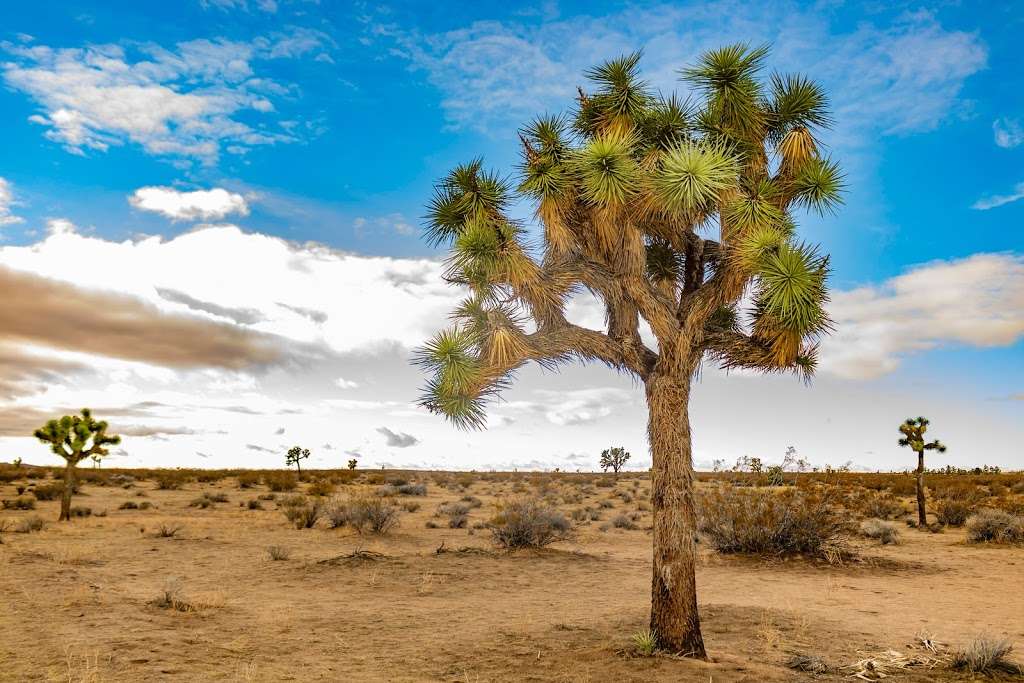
(295, 454)
(913, 430)
(614, 458)
(17, 463)
(69, 438)
(668, 212)
(96, 459)
(352, 463)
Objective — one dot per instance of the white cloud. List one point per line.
(383, 225)
(1008, 132)
(997, 200)
(976, 301)
(213, 204)
(7, 217)
(897, 78)
(397, 439)
(367, 312)
(182, 102)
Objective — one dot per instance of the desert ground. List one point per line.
(187, 590)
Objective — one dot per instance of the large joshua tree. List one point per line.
(669, 212)
(913, 430)
(75, 438)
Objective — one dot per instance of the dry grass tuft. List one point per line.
(884, 532)
(987, 656)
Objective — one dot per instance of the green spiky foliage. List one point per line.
(614, 458)
(295, 455)
(75, 438)
(669, 212)
(352, 462)
(913, 430)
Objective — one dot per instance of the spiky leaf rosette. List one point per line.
(76, 437)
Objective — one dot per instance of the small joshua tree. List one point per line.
(913, 430)
(614, 458)
(352, 463)
(96, 458)
(17, 463)
(69, 438)
(295, 454)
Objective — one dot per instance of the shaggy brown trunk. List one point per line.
(922, 519)
(674, 616)
(65, 496)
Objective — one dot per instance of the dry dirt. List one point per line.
(75, 599)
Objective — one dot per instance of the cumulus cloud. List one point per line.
(995, 201)
(206, 205)
(976, 301)
(346, 383)
(1008, 132)
(188, 101)
(397, 439)
(7, 217)
(574, 407)
(902, 77)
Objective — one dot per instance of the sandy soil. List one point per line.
(75, 599)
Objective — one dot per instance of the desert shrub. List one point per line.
(412, 489)
(169, 481)
(278, 552)
(457, 514)
(372, 515)
(168, 530)
(410, 506)
(528, 523)
(336, 513)
(1018, 487)
(81, 511)
(48, 491)
(880, 530)
(605, 483)
(396, 480)
(320, 487)
(145, 505)
(987, 656)
(247, 480)
(790, 522)
(280, 481)
(208, 499)
(622, 521)
(903, 486)
(128, 505)
(254, 504)
(876, 506)
(387, 491)
(953, 512)
(30, 524)
(19, 503)
(995, 526)
(471, 501)
(302, 512)
(606, 504)
(267, 496)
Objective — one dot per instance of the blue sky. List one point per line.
(331, 121)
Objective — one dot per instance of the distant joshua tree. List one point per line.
(352, 463)
(17, 462)
(675, 213)
(96, 458)
(614, 458)
(295, 454)
(913, 430)
(69, 438)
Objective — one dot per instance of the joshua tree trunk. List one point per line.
(674, 616)
(922, 518)
(298, 468)
(65, 496)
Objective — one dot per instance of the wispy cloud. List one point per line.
(7, 216)
(1008, 132)
(897, 78)
(188, 101)
(997, 200)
